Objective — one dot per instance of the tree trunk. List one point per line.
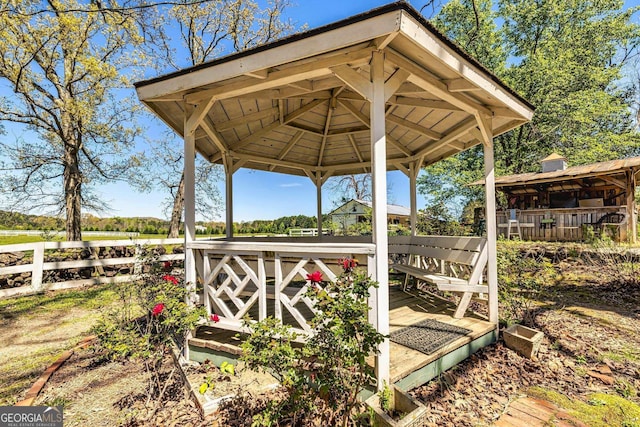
(72, 193)
(176, 213)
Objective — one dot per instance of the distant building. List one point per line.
(356, 211)
(201, 229)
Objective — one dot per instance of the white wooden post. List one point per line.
(38, 262)
(189, 209)
(379, 225)
(490, 215)
(319, 201)
(414, 170)
(228, 175)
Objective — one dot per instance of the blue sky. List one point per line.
(263, 195)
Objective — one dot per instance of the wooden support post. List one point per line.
(319, 201)
(228, 175)
(189, 210)
(414, 170)
(490, 194)
(38, 263)
(632, 230)
(379, 223)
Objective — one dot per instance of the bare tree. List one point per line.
(208, 30)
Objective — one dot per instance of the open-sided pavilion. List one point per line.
(375, 92)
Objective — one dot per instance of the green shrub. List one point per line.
(323, 376)
(152, 314)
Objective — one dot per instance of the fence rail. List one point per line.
(61, 233)
(41, 260)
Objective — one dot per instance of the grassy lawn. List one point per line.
(36, 329)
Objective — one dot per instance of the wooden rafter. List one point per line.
(450, 136)
(356, 150)
(460, 85)
(292, 142)
(243, 120)
(433, 104)
(422, 78)
(616, 182)
(363, 118)
(414, 127)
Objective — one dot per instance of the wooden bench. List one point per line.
(453, 264)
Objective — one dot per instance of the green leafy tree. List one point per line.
(64, 61)
(569, 58)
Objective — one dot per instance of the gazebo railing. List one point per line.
(267, 278)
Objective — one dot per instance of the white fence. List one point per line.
(61, 233)
(304, 232)
(37, 253)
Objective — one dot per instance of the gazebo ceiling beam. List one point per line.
(449, 137)
(243, 120)
(432, 84)
(258, 74)
(394, 82)
(425, 103)
(296, 73)
(414, 127)
(217, 140)
(292, 142)
(383, 41)
(362, 117)
(356, 150)
(460, 85)
(399, 146)
(354, 80)
(308, 129)
(198, 114)
(327, 125)
(348, 131)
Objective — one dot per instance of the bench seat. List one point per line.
(449, 254)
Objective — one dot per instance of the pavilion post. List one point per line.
(189, 208)
(632, 231)
(490, 214)
(318, 182)
(414, 169)
(228, 176)
(379, 223)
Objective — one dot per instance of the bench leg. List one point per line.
(405, 284)
(465, 299)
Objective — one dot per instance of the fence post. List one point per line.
(38, 263)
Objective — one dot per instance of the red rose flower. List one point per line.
(348, 264)
(315, 277)
(157, 309)
(170, 278)
(215, 318)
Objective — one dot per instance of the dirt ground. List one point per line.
(589, 364)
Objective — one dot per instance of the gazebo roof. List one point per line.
(300, 105)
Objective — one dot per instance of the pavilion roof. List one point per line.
(300, 105)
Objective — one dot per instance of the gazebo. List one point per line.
(375, 92)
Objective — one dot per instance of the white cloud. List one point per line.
(292, 184)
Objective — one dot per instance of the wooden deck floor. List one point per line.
(408, 366)
(408, 309)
